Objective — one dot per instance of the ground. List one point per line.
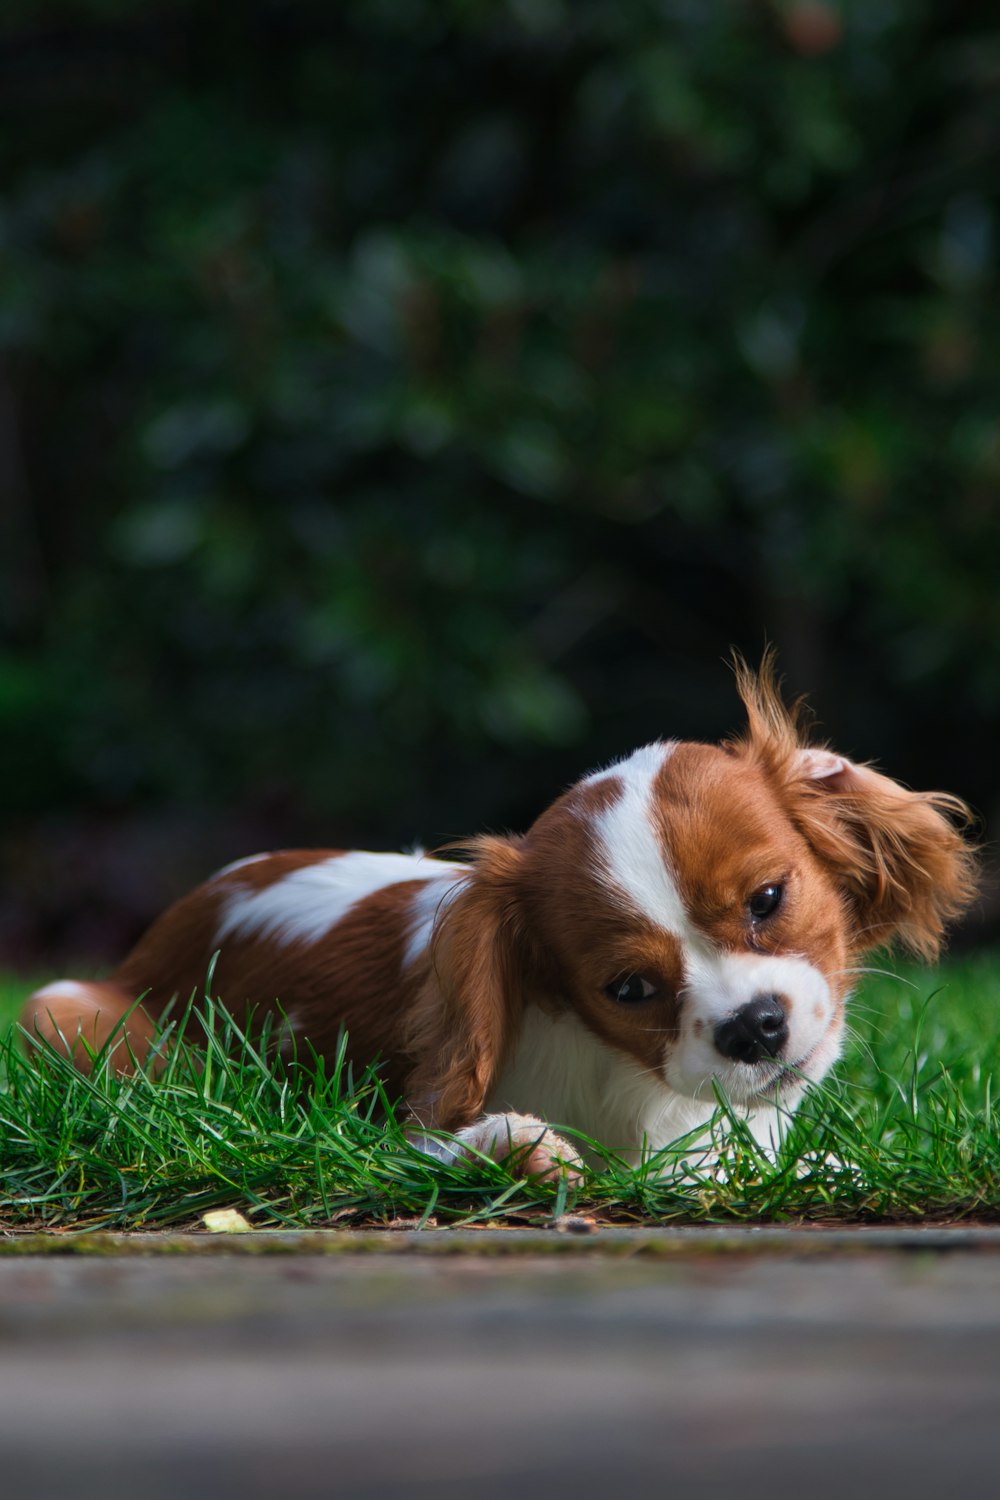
(702, 1363)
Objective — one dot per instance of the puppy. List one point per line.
(691, 915)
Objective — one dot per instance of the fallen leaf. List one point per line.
(225, 1221)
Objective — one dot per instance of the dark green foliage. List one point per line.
(426, 393)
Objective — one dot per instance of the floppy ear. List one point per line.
(898, 855)
(905, 867)
(465, 1021)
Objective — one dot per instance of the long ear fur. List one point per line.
(466, 1018)
(898, 855)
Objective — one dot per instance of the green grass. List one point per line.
(907, 1129)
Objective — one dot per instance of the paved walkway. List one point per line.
(693, 1364)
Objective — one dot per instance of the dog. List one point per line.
(686, 919)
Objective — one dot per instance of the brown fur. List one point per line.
(349, 980)
(899, 856)
(466, 1015)
(728, 833)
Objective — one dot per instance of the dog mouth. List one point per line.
(786, 1078)
(765, 1081)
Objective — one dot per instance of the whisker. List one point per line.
(869, 969)
(878, 1032)
(861, 1043)
(868, 1013)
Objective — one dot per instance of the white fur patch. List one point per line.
(561, 1071)
(65, 989)
(511, 1134)
(634, 858)
(427, 905)
(239, 864)
(499, 1136)
(304, 905)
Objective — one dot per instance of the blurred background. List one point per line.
(405, 405)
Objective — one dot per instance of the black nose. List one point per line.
(758, 1029)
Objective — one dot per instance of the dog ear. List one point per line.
(899, 855)
(467, 1015)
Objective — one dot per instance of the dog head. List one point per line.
(701, 908)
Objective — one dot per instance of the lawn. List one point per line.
(907, 1129)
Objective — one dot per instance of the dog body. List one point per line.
(691, 916)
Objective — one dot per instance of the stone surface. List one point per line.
(750, 1371)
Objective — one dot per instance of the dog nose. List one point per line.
(758, 1029)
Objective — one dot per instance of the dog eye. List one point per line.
(631, 990)
(765, 902)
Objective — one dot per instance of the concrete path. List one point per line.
(693, 1364)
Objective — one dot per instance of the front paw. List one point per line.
(525, 1143)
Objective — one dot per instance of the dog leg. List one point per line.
(526, 1143)
(79, 1018)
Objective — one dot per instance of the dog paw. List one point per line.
(525, 1143)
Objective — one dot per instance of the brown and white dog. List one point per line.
(691, 914)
